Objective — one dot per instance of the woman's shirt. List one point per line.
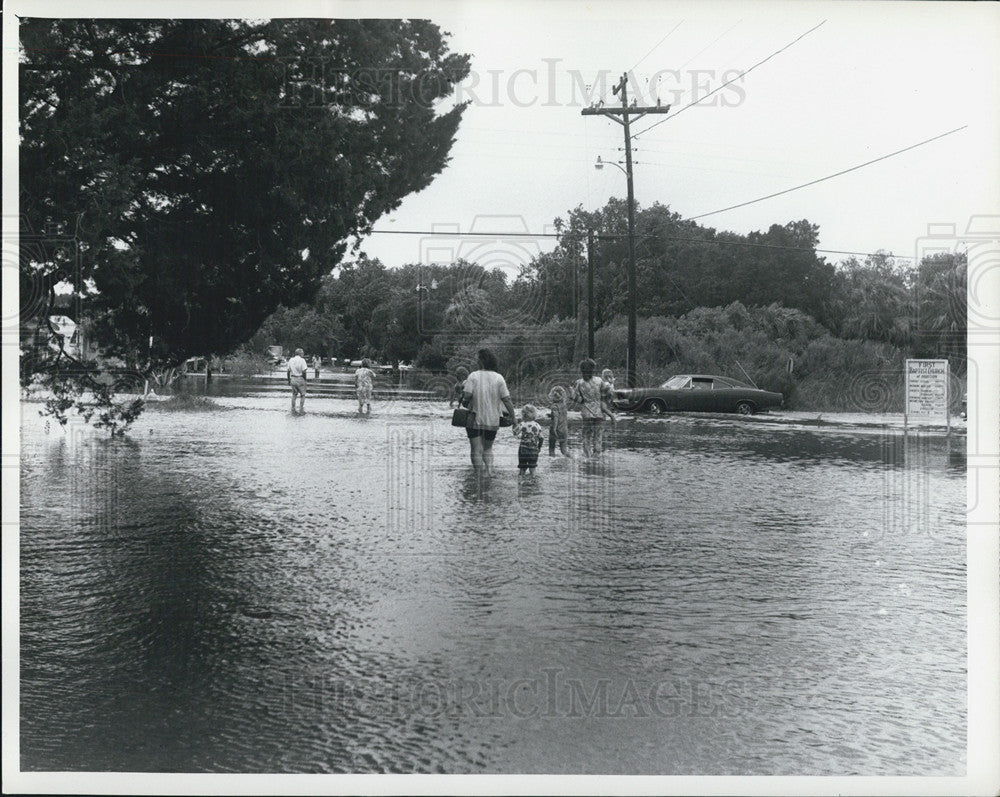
(488, 389)
(364, 378)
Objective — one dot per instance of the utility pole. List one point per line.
(625, 112)
(590, 294)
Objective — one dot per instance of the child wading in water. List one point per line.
(608, 376)
(461, 374)
(558, 422)
(364, 381)
(592, 395)
(529, 433)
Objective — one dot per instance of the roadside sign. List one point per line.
(927, 392)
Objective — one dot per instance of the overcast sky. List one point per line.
(872, 79)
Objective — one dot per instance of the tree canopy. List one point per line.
(432, 314)
(210, 170)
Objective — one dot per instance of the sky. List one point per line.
(872, 79)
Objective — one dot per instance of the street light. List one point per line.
(601, 164)
(420, 296)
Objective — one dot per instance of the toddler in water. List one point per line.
(461, 374)
(606, 408)
(558, 422)
(529, 433)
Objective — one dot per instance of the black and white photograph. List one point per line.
(501, 397)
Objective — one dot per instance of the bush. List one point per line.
(246, 363)
(186, 402)
(781, 349)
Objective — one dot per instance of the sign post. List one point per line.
(927, 392)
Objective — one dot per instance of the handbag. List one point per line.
(463, 417)
(505, 419)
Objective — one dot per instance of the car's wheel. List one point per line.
(745, 408)
(656, 407)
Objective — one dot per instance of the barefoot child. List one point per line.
(529, 433)
(558, 422)
(606, 407)
(461, 374)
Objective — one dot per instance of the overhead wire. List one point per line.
(828, 177)
(728, 82)
(651, 50)
(706, 47)
(523, 235)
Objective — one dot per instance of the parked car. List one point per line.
(698, 393)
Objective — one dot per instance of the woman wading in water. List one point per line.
(485, 392)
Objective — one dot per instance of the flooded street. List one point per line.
(245, 590)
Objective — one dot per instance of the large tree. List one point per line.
(210, 170)
(681, 265)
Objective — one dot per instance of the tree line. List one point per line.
(426, 314)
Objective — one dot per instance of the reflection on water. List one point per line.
(248, 590)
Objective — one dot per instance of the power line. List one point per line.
(651, 49)
(520, 236)
(738, 77)
(703, 49)
(829, 176)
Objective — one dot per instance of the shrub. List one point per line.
(186, 402)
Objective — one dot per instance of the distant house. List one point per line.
(66, 329)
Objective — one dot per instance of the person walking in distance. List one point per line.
(364, 382)
(297, 371)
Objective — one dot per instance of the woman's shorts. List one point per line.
(487, 434)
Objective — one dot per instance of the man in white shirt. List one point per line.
(297, 369)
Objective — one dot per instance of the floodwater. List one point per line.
(246, 590)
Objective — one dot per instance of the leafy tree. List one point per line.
(874, 300)
(942, 318)
(681, 265)
(210, 170)
(292, 327)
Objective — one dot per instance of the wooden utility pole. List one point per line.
(625, 112)
(590, 294)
